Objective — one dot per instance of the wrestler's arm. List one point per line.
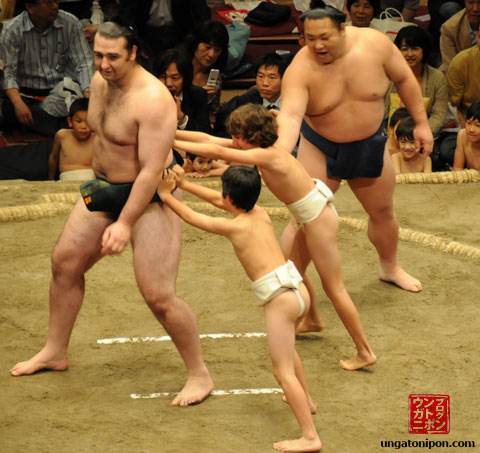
(54, 156)
(459, 159)
(154, 143)
(215, 225)
(202, 137)
(211, 196)
(253, 156)
(294, 105)
(398, 71)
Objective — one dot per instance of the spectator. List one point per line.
(458, 32)
(267, 90)
(207, 46)
(362, 12)
(175, 70)
(440, 11)
(467, 153)
(463, 79)
(42, 47)
(162, 24)
(415, 45)
(408, 8)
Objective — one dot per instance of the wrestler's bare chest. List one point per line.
(111, 115)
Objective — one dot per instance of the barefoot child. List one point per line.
(409, 159)
(254, 131)
(276, 282)
(467, 153)
(73, 148)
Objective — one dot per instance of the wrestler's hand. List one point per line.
(115, 238)
(179, 174)
(167, 184)
(423, 139)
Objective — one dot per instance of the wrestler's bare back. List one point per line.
(350, 90)
(114, 115)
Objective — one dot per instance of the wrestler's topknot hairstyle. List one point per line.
(254, 124)
(78, 105)
(243, 185)
(118, 28)
(405, 128)
(319, 11)
(473, 112)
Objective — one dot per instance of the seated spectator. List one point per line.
(73, 148)
(202, 167)
(409, 159)
(41, 48)
(392, 141)
(415, 45)
(463, 79)
(267, 90)
(408, 8)
(467, 152)
(162, 24)
(458, 32)
(362, 12)
(207, 47)
(175, 70)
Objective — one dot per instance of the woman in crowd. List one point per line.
(362, 12)
(415, 45)
(175, 70)
(207, 47)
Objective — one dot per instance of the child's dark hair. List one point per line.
(473, 112)
(243, 185)
(398, 115)
(191, 156)
(77, 106)
(405, 128)
(253, 123)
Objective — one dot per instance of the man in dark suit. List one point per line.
(267, 90)
(162, 24)
(175, 70)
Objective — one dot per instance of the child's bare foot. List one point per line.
(311, 405)
(41, 361)
(359, 361)
(307, 325)
(299, 445)
(400, 278)
(195, 390)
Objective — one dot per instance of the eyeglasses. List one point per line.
(47, 3)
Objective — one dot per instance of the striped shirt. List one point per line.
(40, 59)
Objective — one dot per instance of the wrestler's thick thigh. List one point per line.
(156, 242)
(376, 194)
(315, 163)
(80, 242)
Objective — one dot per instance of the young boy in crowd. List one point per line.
(276, 282)
(409, 159)
(202, 167)
(467, 152)
(392, 142)
(254, 131)
(73, 148)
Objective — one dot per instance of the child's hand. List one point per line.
(167, 184)
(179, 175)
(194, 174)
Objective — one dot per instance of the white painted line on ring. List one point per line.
(137, 396)
(167, 337)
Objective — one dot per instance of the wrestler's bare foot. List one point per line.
(359, 361)
(41, 361)
(307, 325)
(311, 405)
(195, 390)
(299, 445)
(400, 278)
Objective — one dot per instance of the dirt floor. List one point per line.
(426, 343)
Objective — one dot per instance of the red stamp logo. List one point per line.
(428, 414)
